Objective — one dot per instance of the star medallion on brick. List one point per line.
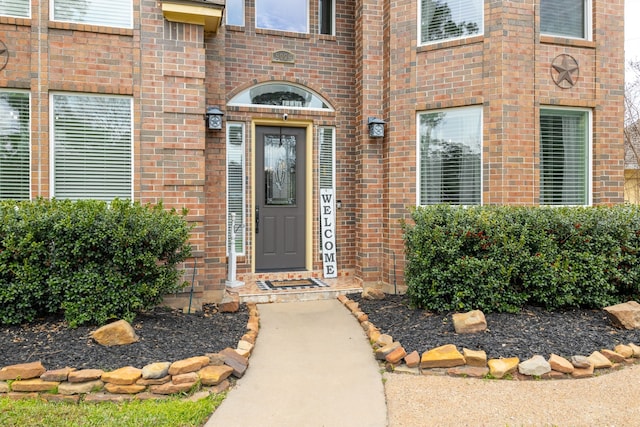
(565, 71)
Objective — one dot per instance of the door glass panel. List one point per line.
(280, 170)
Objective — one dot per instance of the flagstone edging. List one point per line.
(203, 375)
(448, 360)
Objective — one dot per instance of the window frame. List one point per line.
(332, 30)
(29, 142)
(53, 146)
(588, 24)
(236, 2)
(419, 167)
(307, 15)
(588, 173)
(240, 99)
(128, 25)
(241, 218)
(27, 15)
(462, 37)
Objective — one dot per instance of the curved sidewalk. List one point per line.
(311, 366)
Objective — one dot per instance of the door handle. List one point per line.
(257, 219)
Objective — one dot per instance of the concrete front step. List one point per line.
(296, 296)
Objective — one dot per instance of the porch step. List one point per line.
(296, 296)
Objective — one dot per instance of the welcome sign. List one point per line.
(328, 230)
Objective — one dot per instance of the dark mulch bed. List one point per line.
(530, 332)
(165, 336)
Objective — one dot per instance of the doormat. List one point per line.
(267, 285)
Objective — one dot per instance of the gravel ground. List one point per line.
(530, 332)
(608, 400)
(165, 335)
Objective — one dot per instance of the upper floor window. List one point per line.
(14, 145)
(92, 147)
(16, 8)
(450, 19)
(566, 18)
(449, 150)
(290, 15)
(280, 95)
(564, 156)
(326, 20)
(235, 12)
(112, 13)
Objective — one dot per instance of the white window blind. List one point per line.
(112, 13)
(450, 19)
(326, 175)
(450, 156)
(235, 182)
(568, 18)
(564, 157)
(92, 142)
(16, 8)
(14, 145)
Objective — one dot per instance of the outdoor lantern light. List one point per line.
(214, 118)
(376, 128)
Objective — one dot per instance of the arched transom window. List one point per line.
(280, 94)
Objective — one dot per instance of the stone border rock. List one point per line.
(209, 374)
(448, 360)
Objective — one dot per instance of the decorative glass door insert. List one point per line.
(280, 170)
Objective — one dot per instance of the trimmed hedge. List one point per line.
(91, 260)
(501, 258)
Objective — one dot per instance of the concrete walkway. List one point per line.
(311, 366)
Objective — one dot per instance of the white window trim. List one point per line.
(419, 159)
(588, 23)
(7, 90)
(589, 162)
(52, 144)
(284, 31)
(419, 31)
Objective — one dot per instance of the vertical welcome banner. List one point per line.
(328, 231)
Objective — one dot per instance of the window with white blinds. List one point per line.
(567, 18)
(16, 8)
(326, 174)
(112, 13)
(92, 147)
(14, 145)
(235, 182)
(450, 145)
(564, 157)
(450, 19)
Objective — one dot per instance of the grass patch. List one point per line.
(174, 412)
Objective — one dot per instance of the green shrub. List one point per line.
(501, 258)
(91, 260)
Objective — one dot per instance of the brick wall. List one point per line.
(324, 64)
(372, 67)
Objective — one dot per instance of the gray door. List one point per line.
(280, 198)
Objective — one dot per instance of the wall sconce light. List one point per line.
(376, 128)
(214, 118)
